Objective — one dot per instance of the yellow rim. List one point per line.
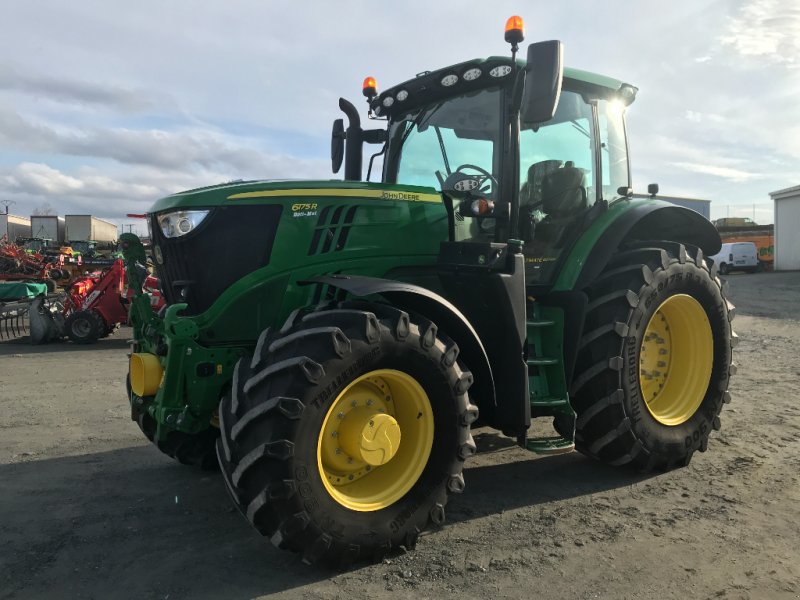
(376, 440)
(675, 360)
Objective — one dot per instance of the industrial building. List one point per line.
(787, 223)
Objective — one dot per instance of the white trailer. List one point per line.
(48, 227)
(12, 227)
(86, 228)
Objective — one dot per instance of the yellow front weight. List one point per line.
(146, 373)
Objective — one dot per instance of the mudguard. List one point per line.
(447, 317)
(642, 221)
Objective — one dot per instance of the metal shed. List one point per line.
(787, 224)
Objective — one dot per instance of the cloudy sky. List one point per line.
(107, 105)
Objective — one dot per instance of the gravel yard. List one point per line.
(88, 509)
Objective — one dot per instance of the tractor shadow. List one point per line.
(517, 478)
(132, 523)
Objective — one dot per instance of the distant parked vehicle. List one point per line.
(737, 256)
(735, 222)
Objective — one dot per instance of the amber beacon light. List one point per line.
(515, 30)
(370, 88)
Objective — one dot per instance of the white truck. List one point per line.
(12, 227)
(86, 228)
(48, 227)
(737, 256)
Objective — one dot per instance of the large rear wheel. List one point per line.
(346, 432)
(655, 359)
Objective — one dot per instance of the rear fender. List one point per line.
(642, 221)
(447, 317)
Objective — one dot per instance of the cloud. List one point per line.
(735, 175)
(168, 150)
(74, 91)
(766, 29)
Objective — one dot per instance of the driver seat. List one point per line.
(563, 199)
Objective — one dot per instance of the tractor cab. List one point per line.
(520, 149)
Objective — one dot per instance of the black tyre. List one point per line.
(84, 326)
(287, 442)
(51, 285)
(724, 268)
(655, 358)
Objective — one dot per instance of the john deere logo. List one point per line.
(400, 196)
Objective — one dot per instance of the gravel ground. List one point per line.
(88, 509)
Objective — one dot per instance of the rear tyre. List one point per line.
(724, 269)
(655, 359)
(84, 326)
(347, 431)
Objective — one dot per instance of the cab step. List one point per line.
(550, 445)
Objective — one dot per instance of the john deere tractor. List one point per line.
(332, 343)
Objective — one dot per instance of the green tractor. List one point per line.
(330, 344)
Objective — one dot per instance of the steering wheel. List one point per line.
(461, 181)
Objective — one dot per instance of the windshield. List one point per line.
(429, 143)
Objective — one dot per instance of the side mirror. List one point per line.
(652, 189)
(337, 145)
(543, 75)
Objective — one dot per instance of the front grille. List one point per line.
(231, 242)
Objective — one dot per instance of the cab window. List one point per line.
(557, 182)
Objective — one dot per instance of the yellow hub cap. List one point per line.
(676, 359)
(375, 440)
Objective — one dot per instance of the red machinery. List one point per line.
(97, 303)
(19, 265)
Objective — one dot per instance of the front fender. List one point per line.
(447, 317)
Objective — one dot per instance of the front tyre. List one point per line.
(85, 326)
(655, 359)
(346, 432)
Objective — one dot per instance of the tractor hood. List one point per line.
(288, 190)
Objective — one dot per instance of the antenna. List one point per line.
(7, 203)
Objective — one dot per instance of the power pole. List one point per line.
(7, 203)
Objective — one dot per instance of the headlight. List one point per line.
(176, 224)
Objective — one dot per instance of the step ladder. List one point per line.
(547, 384)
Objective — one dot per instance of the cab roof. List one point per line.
(428, 87)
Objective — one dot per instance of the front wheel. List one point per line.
(346, 432)
(85, 326)
(655, 359)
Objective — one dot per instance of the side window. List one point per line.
(557, 183)
(614, 151)
(562, 146)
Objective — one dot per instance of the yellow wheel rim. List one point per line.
(675, 360)
(375, 440)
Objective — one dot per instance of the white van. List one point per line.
(737, 256)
